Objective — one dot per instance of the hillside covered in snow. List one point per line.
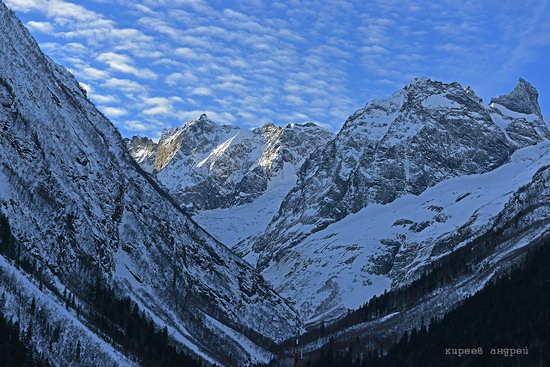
(80, 218)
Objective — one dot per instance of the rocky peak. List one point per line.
(518, 115)
(426, 132)
(523, 99)
(202, 123)
(270, 128)
(141, 142)
(303, 125)
(472, 93)
(187, 138)
(202, 120)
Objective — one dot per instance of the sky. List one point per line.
(154, 64)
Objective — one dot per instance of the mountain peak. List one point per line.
(523, 99)
(202, 119)
(421, 80)
(305, 124)
(473, 94)
(201, 123)
(428, 85)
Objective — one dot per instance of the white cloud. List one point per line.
(89, 72)
(114, 111)
(201, 91)
(185, 78)
(161, 106)
(134, 125)
(124, 64)
(187, 53)
(263, 61)
(99, 98)
(294, 99)
(124, 85)
(44, 27)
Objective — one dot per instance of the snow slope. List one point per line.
(236, 225)
(233, 179)
(344, 265)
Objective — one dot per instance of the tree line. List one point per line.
(507, 323)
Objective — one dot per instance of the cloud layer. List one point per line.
(151, 64)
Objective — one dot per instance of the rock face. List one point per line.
(518, 114)
(329, 247)
(209, 168)
(81, 209)
(423, 134)
(523, 99)
(144, 151)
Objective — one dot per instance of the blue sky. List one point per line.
(153, 64)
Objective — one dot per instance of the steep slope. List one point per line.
(460, 267)
(81, 209)
(233, 178)
(358, 219)
(385, 246)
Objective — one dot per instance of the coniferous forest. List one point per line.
(116, 317)
(490, 321)
(14, 352)
(137, 334)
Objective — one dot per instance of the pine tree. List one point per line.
(78, 351)
(33, 305)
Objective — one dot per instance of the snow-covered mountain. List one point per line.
(78, 210)
(401, 175)
(429, 175)
(461, 262)
(375, 205)
(234, 179)
(384, 246)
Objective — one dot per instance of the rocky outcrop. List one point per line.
(208, 166)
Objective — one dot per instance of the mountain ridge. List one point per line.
(209, 168)
(80, 207)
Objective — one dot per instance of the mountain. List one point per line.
(84, 227)
(232, 178)
(372, 208)
(464, 263)
(387, 246)
(402, 175)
